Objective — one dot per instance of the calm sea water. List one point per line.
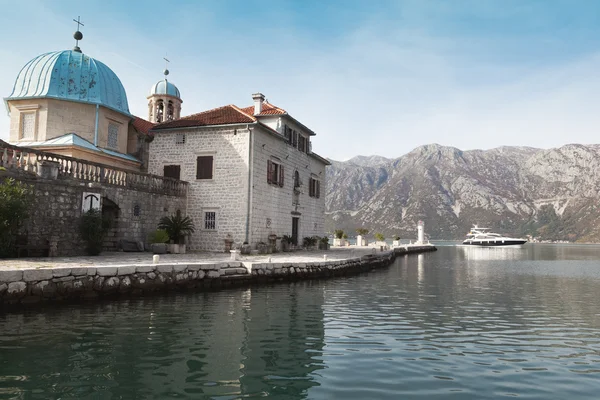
(460, 323)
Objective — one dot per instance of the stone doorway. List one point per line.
(111, 211)
(295, 227)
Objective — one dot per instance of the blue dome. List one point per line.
(70, 75)
(165, 87)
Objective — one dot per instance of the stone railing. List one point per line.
(34, 161)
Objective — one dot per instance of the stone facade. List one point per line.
(247, 207)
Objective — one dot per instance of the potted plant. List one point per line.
(286, 241)
(380, 240)
(360, 239)
(158, 241)
(93, 227)
(324, 243)
(177, 227)
(345, 237)
(396, 241)
(339, 238)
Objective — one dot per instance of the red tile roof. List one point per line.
(218, 116)
(141, 125)
(267, 109)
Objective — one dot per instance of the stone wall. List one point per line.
(57, 211)
(226, 194)
(32, 285)
(273, 207)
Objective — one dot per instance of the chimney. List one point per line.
(258, 98)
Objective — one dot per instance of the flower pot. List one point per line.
(158, 248)
(173, 248)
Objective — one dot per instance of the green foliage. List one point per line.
(310, 241)
(396, 237)
(345, 236)
(324, 240)
(286, 239)
(158, 236)
(15, 201)
(177, 227)
(93, 227)
(362, 231)
(379, 237)
(338, 233)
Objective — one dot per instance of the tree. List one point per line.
(16, 199)
(362, 231)
(338, 233)
(379, 237)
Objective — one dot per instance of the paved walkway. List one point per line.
(124, 259)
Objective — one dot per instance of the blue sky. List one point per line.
(369, 77)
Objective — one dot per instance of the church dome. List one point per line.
(70, 75)
(165, 87)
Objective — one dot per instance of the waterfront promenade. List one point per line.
(27, 281)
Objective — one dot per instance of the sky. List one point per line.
(370, 77)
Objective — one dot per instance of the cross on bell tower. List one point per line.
(77, 35)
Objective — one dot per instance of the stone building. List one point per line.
(251, 171)
(67, 103)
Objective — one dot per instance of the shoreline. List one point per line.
(41, 281)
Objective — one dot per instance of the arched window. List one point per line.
(170, 111)
(159, 111)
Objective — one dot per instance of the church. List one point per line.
(251, 173)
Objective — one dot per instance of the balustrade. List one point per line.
(25, 159)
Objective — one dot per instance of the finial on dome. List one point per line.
(77, 35)
(166, 71)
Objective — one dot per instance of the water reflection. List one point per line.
(451, 324)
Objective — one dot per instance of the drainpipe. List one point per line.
(96, 127)
(249, 205)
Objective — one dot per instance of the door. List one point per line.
(295, 224)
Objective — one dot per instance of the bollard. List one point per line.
(324, 256)
(269, 259)
(155, 259)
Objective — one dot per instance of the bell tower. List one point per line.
(164, 101)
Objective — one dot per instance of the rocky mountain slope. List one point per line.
(552, 194)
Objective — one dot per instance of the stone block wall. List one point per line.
(57, 211)
(226, 193)
(273, 206)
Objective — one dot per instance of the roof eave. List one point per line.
(199, 126)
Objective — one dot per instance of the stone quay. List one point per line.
(25, 282)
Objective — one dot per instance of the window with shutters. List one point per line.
(28, 125)
(204, 167)
(295, 138)
(275, 173)
(210, 221)
(287, 133)
(172, 171)
(314, 188)
(113, 136)
(302, 143)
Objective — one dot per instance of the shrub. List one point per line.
(286, 239)
(379, 237)
(325, 240)
(93, 228)
(345, 236)
(362, 231)
(177, 227)
(310, 241)
(396, 237)
(338, 233)
(15, 201)
(158, 236)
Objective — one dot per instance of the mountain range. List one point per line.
(551, 194)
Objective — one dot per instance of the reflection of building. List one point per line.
(285, 336)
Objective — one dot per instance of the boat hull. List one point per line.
(494, 243)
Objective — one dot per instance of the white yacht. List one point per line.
(483, 237)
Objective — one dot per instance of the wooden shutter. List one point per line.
(281, 175)
(318, 189)
(204, 167)
(269, 171)
(310, 187)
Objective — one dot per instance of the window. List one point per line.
(113, 136)
(204, 167)
(294, 138)
(28, 125)
(210, 220)
(274, 173)
(180, 138)
(172, 171)
(287, 133)
(314, 188)
(302, 143)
